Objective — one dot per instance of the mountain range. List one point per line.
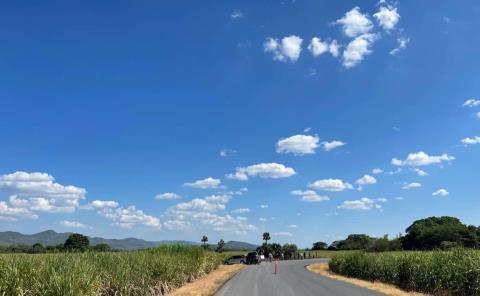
(52, 238)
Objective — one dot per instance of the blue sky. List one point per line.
(169, 121)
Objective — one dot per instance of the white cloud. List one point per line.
(241, 211)
(73, 224)
(227, 152)
(264, 206)
(334, 48)
(471, 103)
(309, 196)
(382, 199)
(236, 14)
(205, 183)
(411, 185)
(377, 171)
(317, 47)
(441, 192)
(402, 44)
(399, 198)
(330, 185)
(39, 191)
(292, 226)
(354, 23)
(13, 213)
(357, 49)
(419, 172)
(363, 204)
(262, 219)
(167, 196)
(471, 141)
(366, 180)
(262, 170)
(327, 146)
(40, 204)
(288, 49)
(298, 144)
(102, 204)
(282, 233)
(422, 159)
(387, 17)
(130, 217)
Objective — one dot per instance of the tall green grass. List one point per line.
(455, 272)
(148, 272)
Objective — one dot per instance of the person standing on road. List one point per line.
(270, 256)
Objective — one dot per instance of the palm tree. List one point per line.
(204, 241)
(266, 237)
(220, 245)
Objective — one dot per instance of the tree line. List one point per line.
(424, 234)
(74, 243)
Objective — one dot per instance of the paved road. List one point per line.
(293, 279)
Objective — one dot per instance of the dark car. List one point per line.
(239, 259)
(252, 258)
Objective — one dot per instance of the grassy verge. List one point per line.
(454, 272)
(148, 272)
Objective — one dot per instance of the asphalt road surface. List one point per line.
(293, 279)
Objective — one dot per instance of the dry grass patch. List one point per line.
(210, 283)
(322, 269)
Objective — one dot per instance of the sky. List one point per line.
(310, 120)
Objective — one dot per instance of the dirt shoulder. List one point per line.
(210, 283)
(322, 269)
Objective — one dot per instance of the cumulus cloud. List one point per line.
(327, 146)
(419, 172)
(288, 49)
(167, 196)
(282, 233)
(309, 196)
(422, 159)
(72, 224)
(471, 141)
(298, 144)
(355, 23)
(366, 180)
(318, 47)
(102, 204)
(377, 171)
(363, 204)
(236, 14)
(227, 152)
(207, 213)
(387, 17)
(330, 185)
(10, 213)
(411, 185)
(130, 217)
(402, 44)
(208, 183)
(241, 211)
(264, 206)
(441, 192)
(471, 103)
(357, 49)
(262, 170)
(39, 191)
(292, 226)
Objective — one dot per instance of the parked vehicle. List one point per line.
(252, 258)
(239, 259)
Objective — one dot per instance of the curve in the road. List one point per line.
(293, 279)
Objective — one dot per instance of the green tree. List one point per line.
(319, 246)
(220, 246)
(439, 232)
(77, 242)
(266, 237)
(276, 250)
(289, 250)
(102, 248)
(204, 241)
(38, 248)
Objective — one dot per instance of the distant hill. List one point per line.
(52, 238)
